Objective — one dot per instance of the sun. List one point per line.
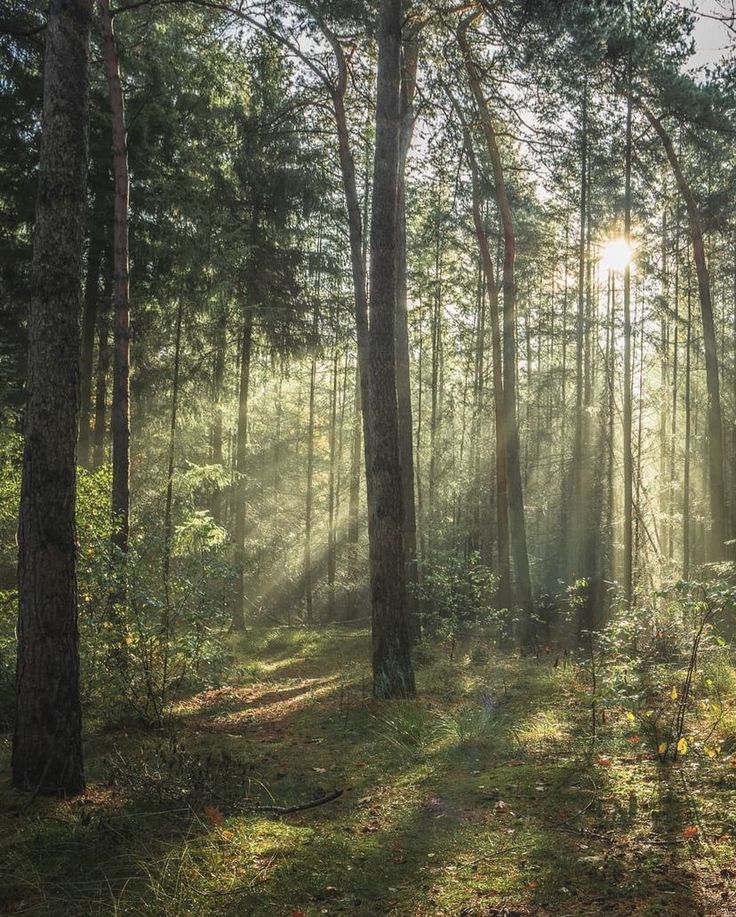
(616, 255)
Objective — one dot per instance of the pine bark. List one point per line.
(393, 675)
(241, 460)
(47, 740)
(120, 413)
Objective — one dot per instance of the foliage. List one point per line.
(456, 593)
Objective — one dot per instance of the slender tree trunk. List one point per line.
(89, 324)
(516, 499)
(403, 379)
(502, 520)
(331, 517)
(47, 736)
(218, 382)
(578, 495)
(393, 675)
(308, 592)
(688, 439)
(168, 505)
(355, 464)
(241, 465)
(103, 369)
(120, 415)
(718, 506)
(628, 583)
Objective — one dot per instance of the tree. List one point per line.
(120, 414)
(47, 740)
(393, 675)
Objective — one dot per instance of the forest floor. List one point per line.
(485, 796)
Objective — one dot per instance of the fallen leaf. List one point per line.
(662, 748)
(213, 815)
(603, 761)
(682, 746)
(690, 831)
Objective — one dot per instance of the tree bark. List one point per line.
(47, 740)
(628, 582)
(218, 381)
(502, 518)
(516, 498)
(89, 325)
(120, 413)
(403, 377)
(393, 675)
(103, 368)
(241, 461)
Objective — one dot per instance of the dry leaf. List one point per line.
(213, 815)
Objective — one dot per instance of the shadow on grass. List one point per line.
(495, 804)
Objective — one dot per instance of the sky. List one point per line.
(712, 39)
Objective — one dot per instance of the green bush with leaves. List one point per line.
(457, 593)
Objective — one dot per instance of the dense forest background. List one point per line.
(414, 317)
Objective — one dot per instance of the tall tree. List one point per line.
(47, 740)
(120, 414)
(517, 520)
(393, 675)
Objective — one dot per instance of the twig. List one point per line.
(300, 807)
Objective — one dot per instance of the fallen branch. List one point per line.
(301, 807)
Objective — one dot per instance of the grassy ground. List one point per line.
(485, 796)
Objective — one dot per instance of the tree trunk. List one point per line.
(120, 414)
(516, 497)
(89, 325)
(168, 505)
(241, 461)
(718, 504)
(47, 739)
(308, 591)
(103, 369)
(393, 675)
(403, 378)
(628, 583)
(502, 519)
(218, 381)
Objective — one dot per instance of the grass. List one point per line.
(487, 795)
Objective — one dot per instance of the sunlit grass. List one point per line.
(487, 791)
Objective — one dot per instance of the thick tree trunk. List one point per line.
(47, 740)
(393, 675)
(718, 504)
(241, 461)
(120, 414)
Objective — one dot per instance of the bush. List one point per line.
(457, 592)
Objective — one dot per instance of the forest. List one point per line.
(367, 458)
